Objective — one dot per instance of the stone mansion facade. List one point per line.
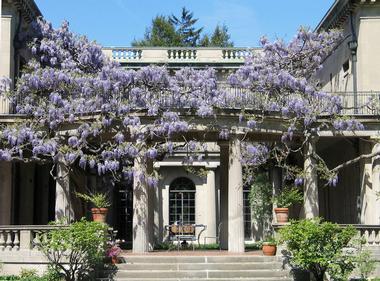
(30, 198)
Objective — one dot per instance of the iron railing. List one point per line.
(368, 102)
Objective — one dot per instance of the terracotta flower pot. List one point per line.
(282, 215)
(269, 249)
(114, 260)
(99, 214)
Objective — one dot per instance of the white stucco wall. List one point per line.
(366, 19)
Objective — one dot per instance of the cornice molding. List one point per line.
(339, 12)
(28, 8)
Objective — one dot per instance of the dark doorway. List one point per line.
(123, 201)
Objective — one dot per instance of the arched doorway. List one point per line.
(182, 201)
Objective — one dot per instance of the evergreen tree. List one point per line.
(221, 37)
(185, 28)
(180, 31)
(205, 41)
(161, 34)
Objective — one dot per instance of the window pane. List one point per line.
(182, 201)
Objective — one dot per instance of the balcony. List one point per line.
(177, 56)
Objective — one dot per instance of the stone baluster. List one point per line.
(16, 240)
(372, 237)
(9, 242)
(2, 240)
(44, 236)
(224, 54)
(36, 240)
(366, 236)
(377, 237)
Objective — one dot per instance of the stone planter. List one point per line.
(269, 249)
(99, 214)
(282, 215)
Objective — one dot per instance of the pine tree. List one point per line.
(186, 29)
(221, 37)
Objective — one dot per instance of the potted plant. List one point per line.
(269, 247)
(286, 198)
(113, 252)
(101, 203)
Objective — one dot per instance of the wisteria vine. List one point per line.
(79, 104)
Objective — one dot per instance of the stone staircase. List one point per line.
(200, 268)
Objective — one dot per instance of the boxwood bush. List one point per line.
(317, 246)
(74, 252)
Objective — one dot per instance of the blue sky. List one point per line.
(118, 22)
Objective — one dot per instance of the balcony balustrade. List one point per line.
(368, 103)
(23, 240)
(206, 56)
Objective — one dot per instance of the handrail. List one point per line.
(31, 227)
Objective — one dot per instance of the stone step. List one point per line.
(198, 259)
(200, 266)
(204, 279)
(230, 274)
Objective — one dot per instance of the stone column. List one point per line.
(210, 206)
(141, 225)
(370, 185)
(152, 227)
(276, 181)
(311, 203)
(63, 204)
(223, 205)
(374, 203)
(6, 54)
(5, 193)
(235, 199)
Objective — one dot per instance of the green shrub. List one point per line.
(9, 277)
(317, 246)
(260, 198)
(100, 200)
(28, 273)
(365, 264)
(81, 246)
(288, 197)
(270, 240)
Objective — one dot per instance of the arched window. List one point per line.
(182, 201)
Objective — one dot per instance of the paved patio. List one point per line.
(195, 253)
